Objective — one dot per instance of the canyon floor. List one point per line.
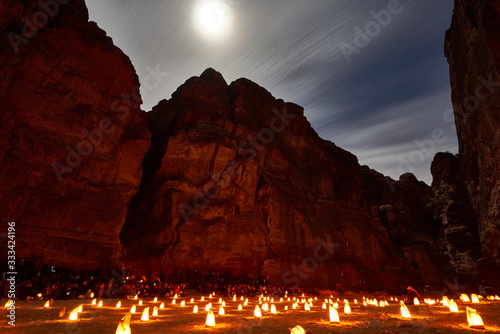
(32, 317)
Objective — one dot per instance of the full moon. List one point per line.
(212, 19)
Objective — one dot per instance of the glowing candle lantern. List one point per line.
(336, 305)
(246, 302)
(80, 308)
(195, 309)
(162, 306)
(100, 304)
(132, 309)
(208, 307)
(334, 315)
(445, 301)
(281, 300)
(135, 297)
(307, 307)
(364, 303)
(155, 300)
(175, 296)
(405, 313)
(47, 304)
(192, 300)
(474, 319)
(355, 301)
(257, 312)
(119, 304)
(474, 298)
(91, 295)
(234, 298)
(453, 306)
(155, 311)
(386, 303)
(145, 314)
(224, 303)
(415, 301)
(183, 303)
(265, 307)
(497, 297)
(62, 312)
(39, 295)
(210, 319)
(210, 296)
(273, 309)
(286, 307)
(297, 330)
(173, 301)
(381, 304)
(202, 299)
(464, 298)
(324, 306)
(240, 307)
(124, 325)
(220, 300)
(347, 308)
(221, 310)
(94, 302)
(74, 314)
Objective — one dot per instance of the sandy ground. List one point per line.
(33, 318)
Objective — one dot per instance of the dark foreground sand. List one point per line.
(33, 318)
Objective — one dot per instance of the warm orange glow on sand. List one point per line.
(474, 319)
(124, 325)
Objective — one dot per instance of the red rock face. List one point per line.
(238, 180)
(70, 148)
(473, 51)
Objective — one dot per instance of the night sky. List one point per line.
(370, 74)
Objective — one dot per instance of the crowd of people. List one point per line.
(44, 281)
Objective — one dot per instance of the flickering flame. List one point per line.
(297, 330)
(100, 304)
(155, 300)
(162, 306)
(132, 309)
(405, 313)
(195, 309)
(453, 306)
(221, 310)
(347, 308)
(47, 304)
(124, 325)
(415, 301)
(119, 304)
(94, 301)
(80, 308)
(273, 309)
(257, 312)
(474, 319)
(183, 303)
(464, 298)
(74, 314)
(334, 315)
(145, 314)
(155, 311)
(240, 307)
(474, 298)
(210, 319)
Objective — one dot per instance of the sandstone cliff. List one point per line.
(473, 52)
(72, 136)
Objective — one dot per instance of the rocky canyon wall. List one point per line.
(72, 136)
(473, 52)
